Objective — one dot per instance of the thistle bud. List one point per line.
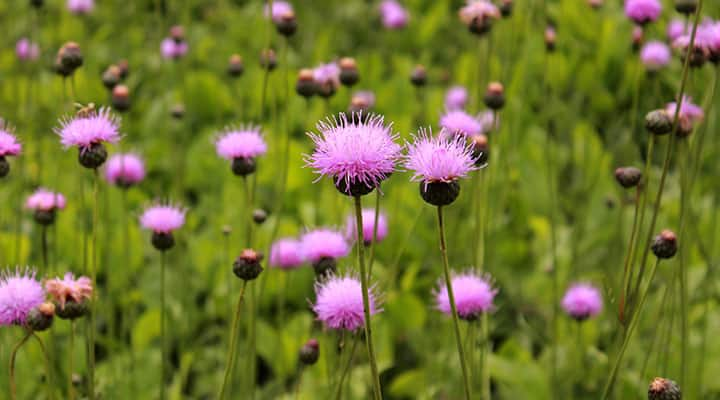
(658, 122)
(310, 352)
(480, 25)
(628, 177)
(243, 166)
(93, 156)
(111, 76)
(247, 266)
(70, 57)
(71, 309)
(348, 71)
(287, 25)
(665, 244)
(4, 167)
(120, 98)
(638, 37)
(480, 148)
(235, 66)
(177, 111)
(324, 267)
(550, 37)
(595, 4)
(259, 216)
(506, 8)
(226, 230)
(494, 96)
(418, 77)
(177, 33)
(44, 217)
(358, 104)
(268, 59)
(686, 7)
(162, 240)
(40, 318)
(685, 127)
(124, 68)
(305, 85)
(664, 389)
(439, 193)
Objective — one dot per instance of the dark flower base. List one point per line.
(45, 217)
(324, 267)
(354, 189)
(38, 322)
(92, 157)
(243, 166)
(71, 310)
(247, 270)
(439, 193)
(4, 167)
(162, 241)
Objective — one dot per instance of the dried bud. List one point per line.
(177, 111)
(243, 166)
(310, 352)
(550, 38)
(506, 8)
(324, 267)
(481, 150)
(124, 68)
(348, 71)
(439, 193)
(494, 96)
(665, 244)
(111, 76)
(162, 240)
(418, 77)
(120, 98)
(177, 33)
(305, 85)
(70, 57)
(71, 309)
(44, 217)
(259, 216)
(247, 266)
(664, 389)
(268, 59)
(4, 167)
(686, 7)
(235, 66)
(658, 122)
(93, 156)
(287, 24)
(628, 177)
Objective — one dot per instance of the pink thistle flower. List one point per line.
(478, 14)
(582, 301)
(688, 110)
(9, 145)
(20, 292)
(437, 159)
(69, 289)
(163, 218)
(323, 243)
(125, 170)
(25, 50)
(327, 78)
(88, 129)
(339, 303)
(286, 253)
(245, 142)
(643, 11)
(45, 200)
(675, 29)
(456, 98)
(655, 55)
(172, 49)
(458, 122)
(80, 7)
(279, 9)
(473, 295)
(358, 154)
(393, 15)
(368, 215)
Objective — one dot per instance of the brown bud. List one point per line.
(628, 177)
(348, 71)
(418, 77)
(664, 389)
(177, 33)
(111, 76)
(305, 85)
(268, 59)
(70, 57)
(658, 122)
(494, 96)
(247, 266)
(120, 98)
(287, 25)
(550, 37)
(665, 244)
(235, 66)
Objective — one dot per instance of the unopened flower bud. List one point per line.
(310, 352)
(111, 76)
(628, 177)
(92, 156)
(226, 230)
(638, 38)
(40, 318)
(665, 244)
(70, 57)
(243, 166)
(324, 267)
(120, 98)
(287, 25)
(494, 96)
(685, 127)
(305, 85)
(506, 8)
(177, 33)
(177, 111)
(247, 266)
(162, 240)
(71, 309)
(480, 148)
(348, 71)
(235, 66)
(439, 193)
(550, 37)
(664, 389)
(686, 7)
(259, 216)
(418, 77)
(480, 25)
(358, 104)
(658, 122)
(44, 217)
(4, 167)
(124, 68)
(268, 59)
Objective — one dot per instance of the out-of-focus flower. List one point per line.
(456, 98)
(339, 303)
(473, 295)
(327, 79)
(393, 14)
(655, 55)
(125, 170)
(80, 7)
(172, 49)
(286, 253)
(279, 9)
(582, 301)
(643, 11)
(368, 217)
(25, 50)
(675, 29)
(478, 15)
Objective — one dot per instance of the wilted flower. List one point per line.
(80, 7)
(68, 289)
(20, 292)
(241, 146)
(358, 154)
(286, 253)
(473, 295)
(582, 301)
(456, 98)
(643, 11)
(393, 15)
(655, 55)
(368, 217)
(125, 170)
(25, 50)
(339, 303)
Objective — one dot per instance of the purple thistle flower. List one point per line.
(327, 78)
(675, 29)
(279, 9)
(358, 154)
(393, 15)
(688, 110)
(478, 10)
(456, 98)
(458, 122)
(473, 295)
(643, 11)
(582, 301)
(9, 145)
(94, 127)
(125, 170)
(286, 253)
(80, 7)
(438, 159)
(368, 215)
(655, 55)
(25, 50)
(245, 142)
(45, 200)
(323, 243)
(339, 302)
(170, 49)
(163, 218)
(20, 292)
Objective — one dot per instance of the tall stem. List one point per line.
(366, 299)
(628, 255)
(376, 218)
(453, 308)
(163, 349)
(48, 370)
(230, 362)
(345, 370)
(71, 357)
(25, 338)
(93, 275)
(43, 238)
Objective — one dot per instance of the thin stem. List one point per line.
(43, 238)
(451, 298)
(486, 350)
(375, 231)
(366, 299)
(628, 255)
(71, 356)
(13, 355)
(643, 206)
(48, 370)
(345, 370)
(93, 275)
(233, 344)
(163, 350)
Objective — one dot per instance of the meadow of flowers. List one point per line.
(366, 199)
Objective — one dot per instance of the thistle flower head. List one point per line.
(368, 216)
(458, 122)
(26, 50)
(339, 302)
(20, 292)
(9, 145)
(643, 11)
(675, 29)
(286, 253)
(243, 142)
(324, 243)
(125, 169)
(89, 128)
(163, 218)
(356, 152)
(45, 200)
(80, 7)
(172, 49)
(688, 110)
(438, 159)
(475, 10)
(280, 8)
(655, 55)
(69, 288)
(582, 301)
(393, 15)
(473, 294)
(456, 98)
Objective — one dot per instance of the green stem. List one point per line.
(345, 370)
(229, 363)
(631, 245)
(163, 349)
(486, 350)
(451, 298)
(13, 355)
(93, 275)
(71, 357)
(375, 231)
(48, 370)
(43, 238)
(366, 299)
(643, 206)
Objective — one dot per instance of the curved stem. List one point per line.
(233, 343)
(366, 299)
(451, 298)
(163, 349)
(346, 369)
(48, 370)
(25, 338)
